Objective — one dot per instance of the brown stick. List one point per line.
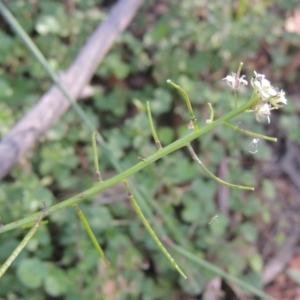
(25, 134)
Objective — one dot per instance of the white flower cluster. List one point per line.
(270, 97)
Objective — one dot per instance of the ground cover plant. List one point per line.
(206, 42)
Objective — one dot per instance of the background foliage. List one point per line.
(195, 43)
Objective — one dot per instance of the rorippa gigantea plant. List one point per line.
(263, 100)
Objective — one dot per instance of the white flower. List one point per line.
(263, 110)
(234, 82)
(279, 98)
(263, 86)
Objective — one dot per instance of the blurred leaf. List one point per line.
(256, 262)
(218, 226)
(55, 283)
(268, 188)
(161, 102)
(47, 24)
(32, 272)
(5, 89)
(192, 211)
(114, 64)
(178, 169)
(248, 231)
(165, 135)
(100, 218)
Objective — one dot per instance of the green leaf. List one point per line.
(165, 135)
(192, 211)
(114, 64)
(47, 24)
(256, 262)
(31, 272)
(268, 188)
(248, 231)
(99, 218)
(186, 84)
(7, 247)
(162, 101)
(5, 89)
(178, 168)
(218, 226)
(54, 287)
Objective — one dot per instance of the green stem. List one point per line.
(90, 233)
(29, 225)
(95, 154)
(155, 137)
(220, 272)
(167, 220)
(212, 114)
(129, 172)
(253, 134)
(21, 246)
(214, 177)
(170, 222)
(188, 103)
(151, 232)
(235, 99)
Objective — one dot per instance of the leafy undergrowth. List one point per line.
(194, 44)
